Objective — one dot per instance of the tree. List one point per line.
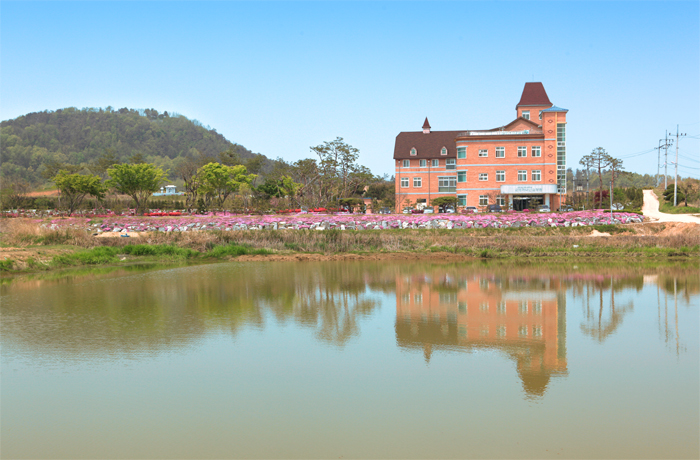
(218, 181)
(444, 201)
(616, 170)
(53, 166)
(600, 160)
(280, 188)
(139, 181)
(340, 175)
(689, 189)
(13, 193)
(74, 188)
(104, 162)
(187, 170)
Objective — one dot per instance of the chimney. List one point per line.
(426, 126)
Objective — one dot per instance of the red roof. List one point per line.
(534, 94)
(426, 124)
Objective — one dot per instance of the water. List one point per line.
(353, 360)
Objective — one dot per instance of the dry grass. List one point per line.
(527, 242)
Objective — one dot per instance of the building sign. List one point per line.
(496, 133)
(528, 189)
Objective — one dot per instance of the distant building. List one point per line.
(519, 165)
(168, 190)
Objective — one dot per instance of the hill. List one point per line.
(81, 137)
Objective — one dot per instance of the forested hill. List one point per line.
(80, 137)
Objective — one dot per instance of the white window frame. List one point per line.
(501, 176)
(522, 152)
(449, 180)
(461, 200)
(500, 152)
(450, 163)
(483, 200)
(404, 182)
(536, 175)
(522, 175)
(422, 163)
(526, 114)
(483, 153)
(483, 177)
(406, 163)
(443, 151)
(540, 114)
(436, 163)
(501, 200)
(461, 153)
(536, 151)
(461, 177)
(413, 152)
(417, 182)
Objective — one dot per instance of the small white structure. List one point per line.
(168, 190)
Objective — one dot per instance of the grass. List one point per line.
(78, 248)
(668, 208)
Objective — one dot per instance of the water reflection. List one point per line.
(522, 317)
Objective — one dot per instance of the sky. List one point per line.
(281, 77)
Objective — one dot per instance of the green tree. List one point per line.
(74, 188)
(444, 201)
(600, 160)
(104, 162)
(340, 175)
(218, 181)
(139, 181)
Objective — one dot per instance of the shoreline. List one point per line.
(27, 247)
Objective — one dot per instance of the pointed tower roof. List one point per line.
(426, 126)
(534, 94)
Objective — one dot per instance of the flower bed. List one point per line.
(345, 221)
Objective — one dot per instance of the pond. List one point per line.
(353, 360)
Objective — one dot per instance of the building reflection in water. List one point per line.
(525, 318)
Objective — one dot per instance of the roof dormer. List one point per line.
(426, 126)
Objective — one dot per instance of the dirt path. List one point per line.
(651, 209)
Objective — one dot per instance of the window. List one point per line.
(501, 331)
(526, 114)
(483, 200)
(450, 163)
(447, 297)
(536, 175)
(522, 331)
(500, 176)
(462, 177)
(413, 151)
(522, 176)
(483, 176)
(462, 305)
(436, 163)
(501, 309)
(423, 163)
(418, 299)
(404, 182)
(523, 307)
(500, 152)
(461, 200)
(501, 200)
(536, 151)
(443, 151)
(522, 152)
(417, 182)
(537, 331)
(537, 307)
(461, 152)
(447, 184)
(484, 306)
(540, 114)
(483, 152)
(406, 163)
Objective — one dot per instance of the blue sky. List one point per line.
(279, 78)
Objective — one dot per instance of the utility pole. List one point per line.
(675, 184)
(666, 145)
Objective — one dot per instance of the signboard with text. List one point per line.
(528, 189)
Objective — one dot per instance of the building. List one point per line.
(459, 310)
(519, 165)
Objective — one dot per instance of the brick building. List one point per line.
(519, 165)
